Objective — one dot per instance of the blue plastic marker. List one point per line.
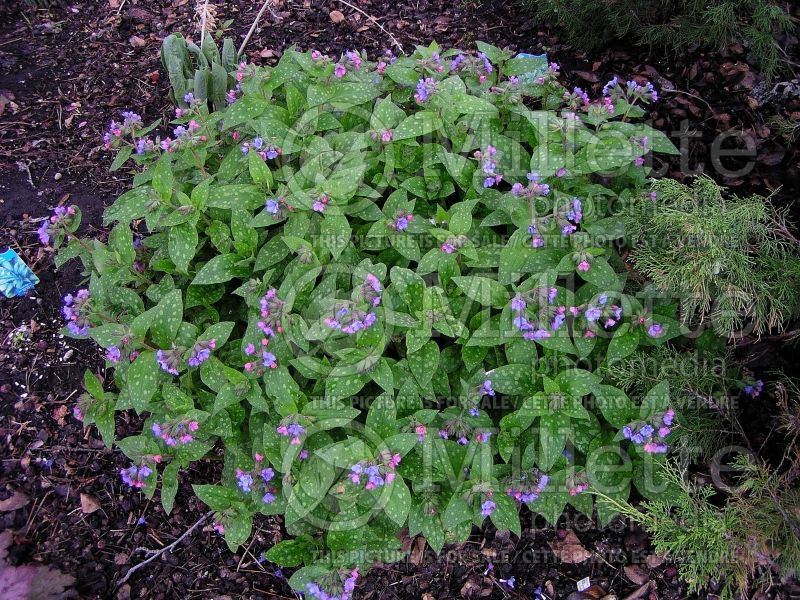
(16, 278)
(539, 64)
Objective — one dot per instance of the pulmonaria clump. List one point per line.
(64, 220)
(76, 311)
(175, 432)
(426, 232)
(651, 435)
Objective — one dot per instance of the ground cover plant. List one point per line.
(386, 290)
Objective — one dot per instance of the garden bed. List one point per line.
(66, 73)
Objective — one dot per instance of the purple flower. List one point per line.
(474, 412)
(340, 71)
(267, 474)
(487, 508)
(487, 389)
(113, 354)
(268, 498)
(244, 480)
(592, 314)
(44, 233)
(655, 330)
(272, 206)
(518, 303)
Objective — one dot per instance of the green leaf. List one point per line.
(166, 319)
(456, 513)
(142, 380)
(292, 553)
(217, 270)
(421, 123)
(623, 343)
(424, 363)
(483, 290)
(259, 171)
(514, 380)
(505, 515)
(182, 245)
(656, 400)
(92, 385)
(169, 485)
(216, 497)
(615, 405)
(163, 178)
(336, 234)
(399, 502)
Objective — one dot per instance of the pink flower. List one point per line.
(340, 71)
(583, 266)
(387, 136)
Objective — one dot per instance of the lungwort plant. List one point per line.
(381, 291)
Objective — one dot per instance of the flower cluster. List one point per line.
(577, 484)
(547, 319)
(401, 222)
(529, 486)
(375, 474)
(263, 475)
(533, 190)
(136, 477)
(651, 436)
(201, 352)
(480, 65)
(277, 207)
(754, 389)
(631, 92)
(116, 130)
(489, 166)
(61, 219)
(75, 311)
(606, 314)
(316, 590)
(270, 323)
(292, 429)
(387, 59)
(550, 75)
(350, 59)
(170, 360)
(321, 203)
(425, 88)
(177, 432)
(349, 319)
(265, 151)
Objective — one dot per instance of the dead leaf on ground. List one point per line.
(570, 550)
(17, 500)
(89, 504)
(336, 16)
(137, 42)
(588, 76)
(637, 574)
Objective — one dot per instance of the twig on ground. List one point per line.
(374, 20)
(253, 27)
(156, 554)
